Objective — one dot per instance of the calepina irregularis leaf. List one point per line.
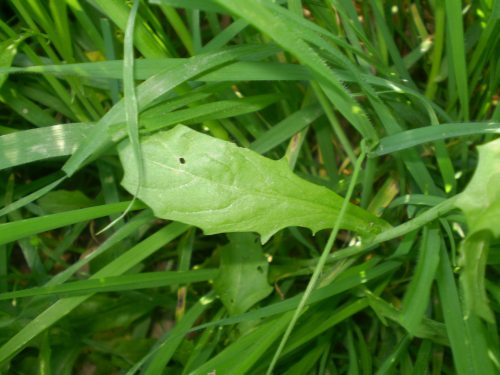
(480, 202)
(219, 187)
(242, 280)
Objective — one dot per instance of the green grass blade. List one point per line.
(456, 59)
(417, 295)
(115, 283)
(246, 351)
(161, 354)
(27, 227)
(30, 197)
(453, 316)
(64, 306)
(145, 40)
(43, 143)
(391, 361)
(191, 4)
(131, 105)
(285, 129)
(415, 137)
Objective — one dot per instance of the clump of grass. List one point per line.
(384, 104)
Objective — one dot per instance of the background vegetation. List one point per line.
(386, 103)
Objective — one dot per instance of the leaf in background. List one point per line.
(215, 185)
(64, 200)
(242, 281)
(480, 202)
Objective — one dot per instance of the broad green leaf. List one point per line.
(242, 280)
(480, 202)
(219, 187)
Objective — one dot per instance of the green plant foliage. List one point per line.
(480, 202)
(357, 140)
(219, 187)
(242, 281)
(8, 50)
(64, 200)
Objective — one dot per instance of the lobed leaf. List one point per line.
(215, 185)
(480, 201)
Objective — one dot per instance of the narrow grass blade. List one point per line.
(318, 320)
(145, 40)
(31, 145)
(245, 352)
(115, 283)
(27, 227)
(191, 4)
(453, 316)
(417, 295)
(392, 360)
(285, 129)
(456, 59)
(157, 118)
(415, 137)
(8, 50)
(64, 306)
(161, 354)
(131, 107)
(30, 197)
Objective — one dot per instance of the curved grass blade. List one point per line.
(131, 106)
(23, 228)
(415, 137)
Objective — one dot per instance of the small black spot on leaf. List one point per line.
(182, 160)
(260, 269)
